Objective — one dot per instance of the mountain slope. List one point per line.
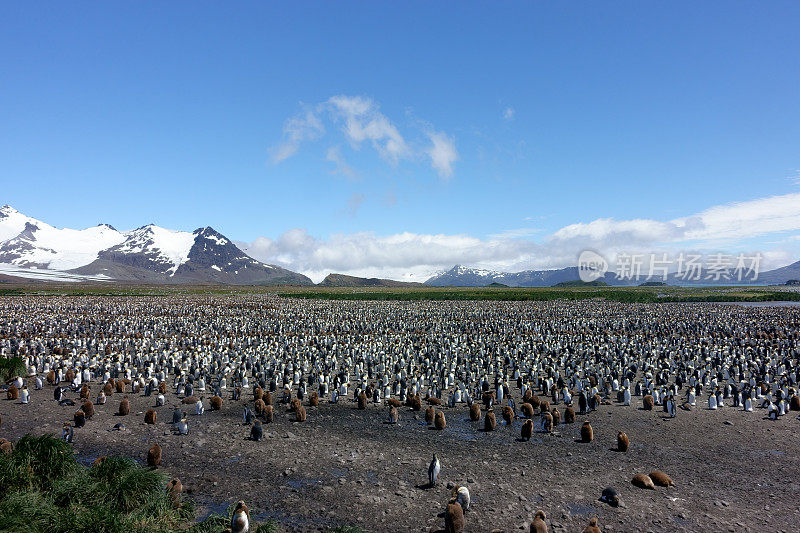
(27, 242)
(460, 276)
(342, 280)
(149, 254)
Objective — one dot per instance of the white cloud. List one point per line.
(362, 122)
(508, 113)
(746, 219)
(414, 256)
(305, 126)
(354, 203)
(443, 153)
(334, 155)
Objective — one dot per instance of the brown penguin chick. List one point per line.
(88, 408)
(267, 398)
(12, 393)
(535, 401)
(623, 443)
(150, 416)
(124, 407)
(394, 402)
(439, 421)
(432, 401)
(508, 415)
(313, 399)
(362, 400)
(569, 415)
(394, 415)
(430, 413)
(6, 446)
(294, 405)
(120, 385)
(99, 461)
(69, 375)
(79, 419)
(300, 414)
(538, 525)
(643, 481)
(416, 403)
(269, 413)
(526, 398)
(544, 407)
(51, 377)
(240, 521)
(190, 400)
(260, 406)
(216, 403)
(108, 389)
(547, 423)
(527, 410)
(587, 434)
(174, 490)
(258, 393)
(661, 479)
(647, 403)
(527, 429)
(454, 517)
(85, 391)
(409, 400)
(592, 527)
(488, 398)
(556, 416)
(686, 406)
(154, 456)
(599, 401)
(489, 421)
(475, 412)
(794, 403)
(162, 388)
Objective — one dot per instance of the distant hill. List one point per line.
(579, 283)
(496, 285)
(342, 280)
(461, 276)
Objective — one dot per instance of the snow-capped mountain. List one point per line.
(461, 276)
(147, 254)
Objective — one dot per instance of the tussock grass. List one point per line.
(45, 489)
(11, 367)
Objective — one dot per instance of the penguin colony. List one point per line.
(295, 354)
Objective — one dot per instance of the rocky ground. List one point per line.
(734, 471)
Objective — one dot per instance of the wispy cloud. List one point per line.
(305, 126)
(508, 113)
(443, 153)
(334, 155)
(364, 122)
(361, 121)
(354, 203)
(516, 233)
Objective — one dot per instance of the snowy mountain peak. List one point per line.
(7, 210)
(150, 253)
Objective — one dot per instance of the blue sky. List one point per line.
(270, 122)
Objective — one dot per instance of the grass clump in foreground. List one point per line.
(46, 489)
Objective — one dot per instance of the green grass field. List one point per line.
(618, 294)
